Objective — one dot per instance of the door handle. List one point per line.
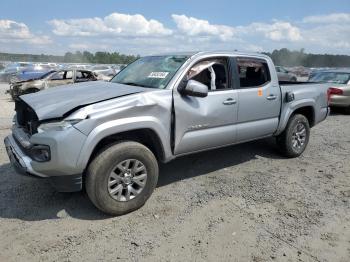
(229, 101)
(271, 97)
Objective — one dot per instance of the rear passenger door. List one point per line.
(259, 99)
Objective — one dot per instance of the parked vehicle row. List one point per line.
(14, 68)
(112, 135)
(50, 79)
(24, 70)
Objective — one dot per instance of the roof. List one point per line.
(200, 53)
(334, 70)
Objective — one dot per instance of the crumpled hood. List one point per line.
(55, 102)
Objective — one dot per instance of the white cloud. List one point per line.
(276, 31)
(137, 35)
(12, 31)
(331, 36)
(79, 46)
(198, 27)
(115, 24)
(328, 32)
(326, 19)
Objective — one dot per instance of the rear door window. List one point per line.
(58, 76)
(83, 76)
(253, 72)
(69, 74)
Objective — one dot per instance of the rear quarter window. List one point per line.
(253, 72)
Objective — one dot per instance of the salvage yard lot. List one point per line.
(241, 203)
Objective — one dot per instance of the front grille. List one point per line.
(26, 117)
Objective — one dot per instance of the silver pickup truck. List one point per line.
(110, 136)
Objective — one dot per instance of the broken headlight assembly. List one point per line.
(40, 153)
(57, 126)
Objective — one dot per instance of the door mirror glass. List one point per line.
(195, 88)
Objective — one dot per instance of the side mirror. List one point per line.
(195, 88)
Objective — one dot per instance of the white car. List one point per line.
(105, 72)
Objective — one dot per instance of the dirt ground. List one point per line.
(241, 203)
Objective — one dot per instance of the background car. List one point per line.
(284, 75)
(104, 72)
(51, 79)
(340, 89)
(14, 68)
(28, 75)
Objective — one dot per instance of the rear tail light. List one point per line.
(333, 91)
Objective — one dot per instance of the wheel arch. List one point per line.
(307, 109)
(31, 90)
(144, 136)
(308, 112)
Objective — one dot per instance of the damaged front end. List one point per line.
(55, 131)
(44, 154)
(19, 148)
(26, 117)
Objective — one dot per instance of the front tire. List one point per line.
(295, 137)
(122, 177)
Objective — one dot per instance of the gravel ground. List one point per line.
(241, 203)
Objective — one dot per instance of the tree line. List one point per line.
(283, 57)
(69, 57)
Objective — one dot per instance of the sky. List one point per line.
(155, 26)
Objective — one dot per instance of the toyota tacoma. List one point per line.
(110, 136)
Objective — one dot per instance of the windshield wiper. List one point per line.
(136, 84)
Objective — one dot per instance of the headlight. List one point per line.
(40, 153)
(57, 126)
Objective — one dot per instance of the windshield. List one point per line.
(150, 71)
(331, 77)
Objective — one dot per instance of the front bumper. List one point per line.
(20, 161)
(23, 165)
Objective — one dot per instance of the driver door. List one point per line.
(209, 122)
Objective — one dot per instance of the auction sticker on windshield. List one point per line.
(158, 74)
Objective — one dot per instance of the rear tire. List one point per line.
(113, 182)
(294, 139)
(347, 110)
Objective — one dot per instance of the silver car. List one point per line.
(340, 79)
(284, 75)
